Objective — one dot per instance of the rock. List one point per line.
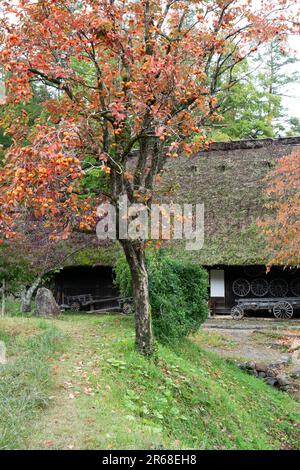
(284, 388)
(250, 365)
(271, 381)
(276, 346)
(261, 375)
(283, 380)
(252, 372)
(46, 305)
(261, 367)
(295, 374)
(286, 359)
(281, 362)
(271, 373)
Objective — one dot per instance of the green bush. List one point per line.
(178, 295)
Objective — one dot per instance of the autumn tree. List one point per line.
(127, 76)
(282, 227)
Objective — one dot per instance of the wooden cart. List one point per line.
(282, 307)
(98, 304)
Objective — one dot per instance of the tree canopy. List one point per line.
(125, 76)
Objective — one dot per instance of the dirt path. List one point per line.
(81, 415)
(55, 429)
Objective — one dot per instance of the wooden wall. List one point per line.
(224, 305)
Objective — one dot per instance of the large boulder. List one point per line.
(46, 305)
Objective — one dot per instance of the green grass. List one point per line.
(116, 399)
(25, 381)
(215, 340)
(197, 399)
(12, 308)
(270, 338)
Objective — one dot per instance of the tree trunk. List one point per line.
(26, 296)
(135, 255)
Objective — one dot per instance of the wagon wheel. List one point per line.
(254, 271)
(75, 305)
(293, 270)
(127, 308)
(283, 310)
(259, 287)
(237, 312)
(241, 287)
(279, 288)
(295, 287)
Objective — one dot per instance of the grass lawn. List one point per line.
(77, 383)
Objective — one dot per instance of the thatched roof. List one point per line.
(228, 179)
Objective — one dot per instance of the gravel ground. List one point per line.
(261, 340)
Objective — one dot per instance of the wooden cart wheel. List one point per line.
(283, 310)
(127, 308)
(75, 306)
(237, 312)
(241, 287)
(278, 288)
(295, 287)
(259, 287)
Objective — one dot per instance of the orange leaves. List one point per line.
(117, 111)
(116, 81)
(282, 228)
(106, 170)
(42, 179)
(13, 39)
(5, 54)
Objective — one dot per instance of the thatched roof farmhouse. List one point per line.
(229, 179)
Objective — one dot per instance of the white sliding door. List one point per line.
(217, 283)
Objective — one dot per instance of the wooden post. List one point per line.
(3, 298)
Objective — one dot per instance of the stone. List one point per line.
(261, 367)
(250, 365)
(295, 374)
(271, 381)
(284, 360)
(284, 388)
(276, 346)
(261, 375)
(283, 380)
(252, 372)
(271, 373)
(46, 305)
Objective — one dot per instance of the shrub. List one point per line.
(178, 295)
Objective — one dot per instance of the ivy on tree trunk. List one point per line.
(135, 255)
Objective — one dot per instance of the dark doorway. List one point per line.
(82, 280)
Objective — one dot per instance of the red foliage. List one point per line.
(125, 75)
(282, 229)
